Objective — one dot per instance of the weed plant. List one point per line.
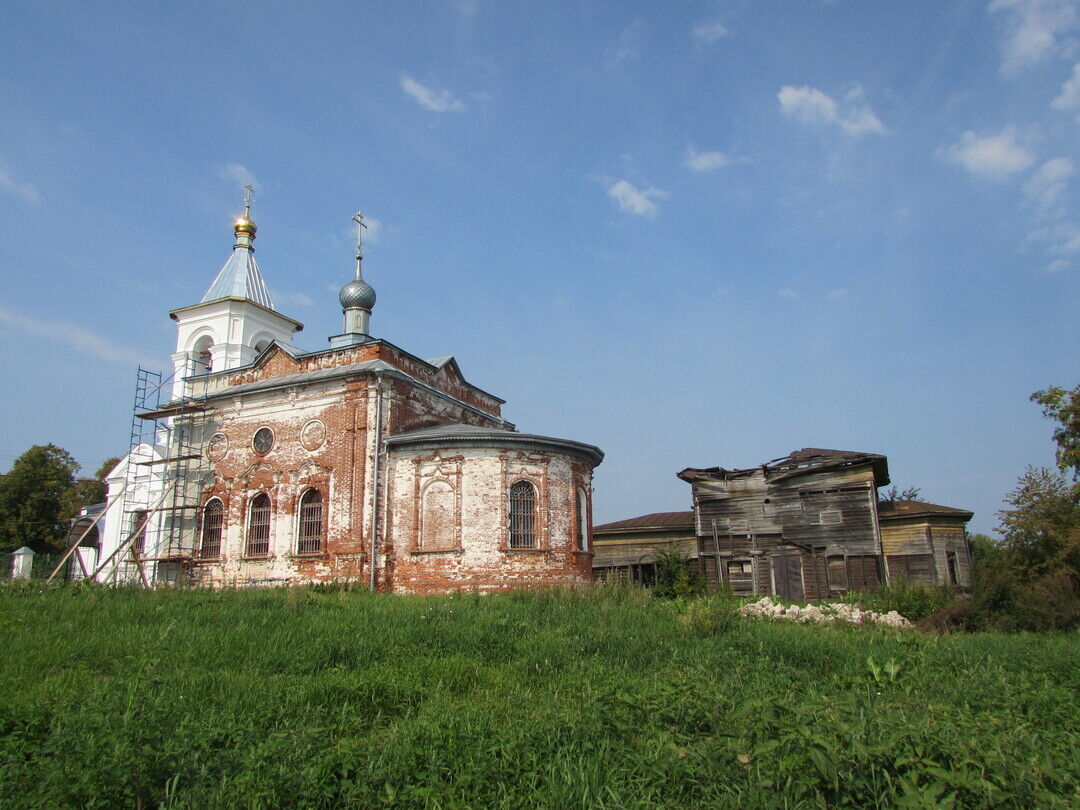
(332, 697)
(912, 601)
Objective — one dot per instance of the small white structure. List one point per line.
(22, 563)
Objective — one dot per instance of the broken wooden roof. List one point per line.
(798, 462)
(898, 510)
(664, 521)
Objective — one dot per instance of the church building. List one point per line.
(262, 464)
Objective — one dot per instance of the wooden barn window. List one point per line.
(740, 577)
(213, 515)
(311, 523)
(831, 517)
(523, 515)
(258, 537)
(950, 567)
(838, 578)
(138, 528)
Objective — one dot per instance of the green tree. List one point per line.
(894, 493)
(86, 491)
(33, 497)
(1064, 408)
(1041, 532)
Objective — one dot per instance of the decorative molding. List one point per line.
(427, 471)
(313, 435)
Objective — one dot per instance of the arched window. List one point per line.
(213, 514)
(582, 521)
(310, 537)
(523, 515)
(137, 527)
(204, 362)
(258, 536)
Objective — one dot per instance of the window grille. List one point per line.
(213, 514)
(258, 539)
(138, 524)
(522, 515)
(311, 523)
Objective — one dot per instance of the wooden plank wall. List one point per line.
(802, 516)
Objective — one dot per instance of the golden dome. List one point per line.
(245, 225)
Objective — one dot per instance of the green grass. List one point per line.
(335, 698)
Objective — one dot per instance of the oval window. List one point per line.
(264, 440)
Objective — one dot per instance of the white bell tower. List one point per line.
(236, 319)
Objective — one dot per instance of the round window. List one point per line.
(264, 440)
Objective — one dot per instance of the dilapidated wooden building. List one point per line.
(804, 526)
(626, 550)
(925, 543)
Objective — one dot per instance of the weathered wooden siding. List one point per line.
(791, 528)
(915, 568)
(905, 537)
(608, 554)
(951, 539)
(919, 548)
(811, 509)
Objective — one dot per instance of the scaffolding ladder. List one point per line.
(166, 472)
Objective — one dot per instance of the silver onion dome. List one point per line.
(357, 294)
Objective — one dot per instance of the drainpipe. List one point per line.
(375, 478)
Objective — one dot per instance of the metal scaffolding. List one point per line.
(166, 473)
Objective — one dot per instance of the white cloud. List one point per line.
(787, 292)
(812, 107)
(1057, 265)
(373, 227)
(995, 156)
(371, 233)
(1062, 239)
(1070, 93)
(859, 119)
(836, 295)
(1046, 187)
(705, 161)
(77, 338)
(26, 191)
(239, 174)
(707, 32)
(1034, 30)
(628, 45)
(297, 299)
(807, 105)
(636, 201)
(429, 98)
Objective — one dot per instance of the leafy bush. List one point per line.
(710, 616)
(910, 600)
(1001, 602)
(674, 577)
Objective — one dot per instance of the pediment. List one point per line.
(275, 360)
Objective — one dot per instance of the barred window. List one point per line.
(582, 522)
(258, 538)
(311, 523)
(138, 528)
(523, 515)
(213, 514)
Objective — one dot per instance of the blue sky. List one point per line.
(692, 233)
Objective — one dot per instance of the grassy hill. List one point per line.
(331, 698)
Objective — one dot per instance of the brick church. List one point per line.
(360, 462)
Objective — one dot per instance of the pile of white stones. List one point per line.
(765, 608)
